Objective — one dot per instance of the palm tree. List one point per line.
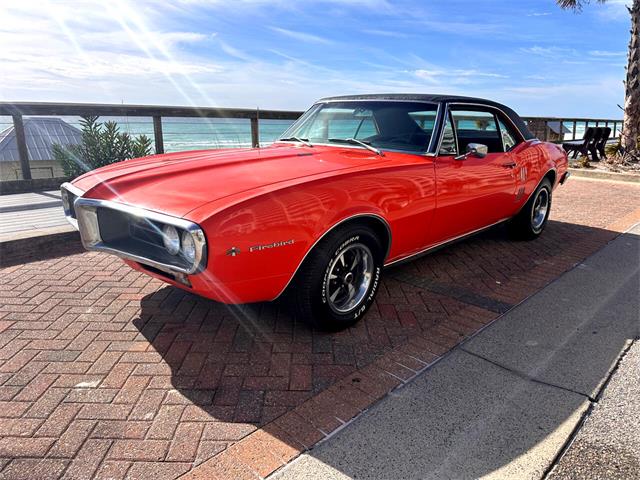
(631, 131)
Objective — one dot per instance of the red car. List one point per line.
(355, 184)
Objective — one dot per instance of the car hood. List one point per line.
(177, 183)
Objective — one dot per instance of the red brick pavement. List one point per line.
(106, 373)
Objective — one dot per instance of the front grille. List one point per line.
(137, 236)
(146, 231)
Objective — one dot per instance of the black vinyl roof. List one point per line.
(435, 98)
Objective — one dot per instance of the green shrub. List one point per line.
(101, 144)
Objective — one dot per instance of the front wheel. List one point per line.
(338, 282)
(529, 223)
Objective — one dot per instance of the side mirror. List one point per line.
(474, 149)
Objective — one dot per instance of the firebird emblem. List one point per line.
(233, 251)
(259, 248)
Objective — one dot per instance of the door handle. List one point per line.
(509, 165)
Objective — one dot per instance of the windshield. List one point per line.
(385, 125)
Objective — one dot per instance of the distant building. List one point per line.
(41, 134)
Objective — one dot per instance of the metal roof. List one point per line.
(435, 98)
(41, 133)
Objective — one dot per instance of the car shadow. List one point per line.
(237, 368)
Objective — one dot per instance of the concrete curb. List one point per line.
(600, 175)
(34, 245)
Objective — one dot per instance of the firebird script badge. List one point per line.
(233, 251)
(259, 248)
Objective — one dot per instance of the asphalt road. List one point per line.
(506, 403)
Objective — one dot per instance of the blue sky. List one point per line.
(285, 54)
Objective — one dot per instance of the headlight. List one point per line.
(171, 239)
(188, 246)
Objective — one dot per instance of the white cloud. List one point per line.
(603, 53)
(385, 33)
(303, 37)
(467, 76)
(551, 52)
(539, 14)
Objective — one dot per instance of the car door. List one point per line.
(472, 192)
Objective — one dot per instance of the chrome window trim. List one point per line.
(437, 124)
(403, 100)
(330, 229)
(439, 146)
(86, 211)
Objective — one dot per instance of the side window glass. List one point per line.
(448, 146)
(473, 126)
(509, 139)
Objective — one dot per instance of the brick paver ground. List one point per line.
(107, 373)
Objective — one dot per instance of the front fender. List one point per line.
(256, 246)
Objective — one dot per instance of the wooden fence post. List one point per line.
(255, 132)
(23, 152)
(546, 131)
(157, 134)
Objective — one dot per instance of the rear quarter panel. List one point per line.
(539, 158)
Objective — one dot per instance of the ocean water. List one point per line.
(190, 133)
(203, 133)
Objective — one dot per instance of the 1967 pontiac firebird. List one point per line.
(356, 184)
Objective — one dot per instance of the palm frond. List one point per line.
(575, 4)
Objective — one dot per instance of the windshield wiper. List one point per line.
(304, 141)
(354, 141)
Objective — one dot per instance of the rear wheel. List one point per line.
(531, 220)
(338, 281)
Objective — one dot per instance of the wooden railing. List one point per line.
(543, 127)
(19, 109)
(550, 128)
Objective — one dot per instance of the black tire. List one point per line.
(529, 223)
(308, 295)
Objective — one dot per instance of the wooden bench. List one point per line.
(594, 141)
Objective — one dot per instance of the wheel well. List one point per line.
(551, 175)
(378, 225)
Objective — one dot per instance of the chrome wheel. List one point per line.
(350, 274)
(540, 209)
